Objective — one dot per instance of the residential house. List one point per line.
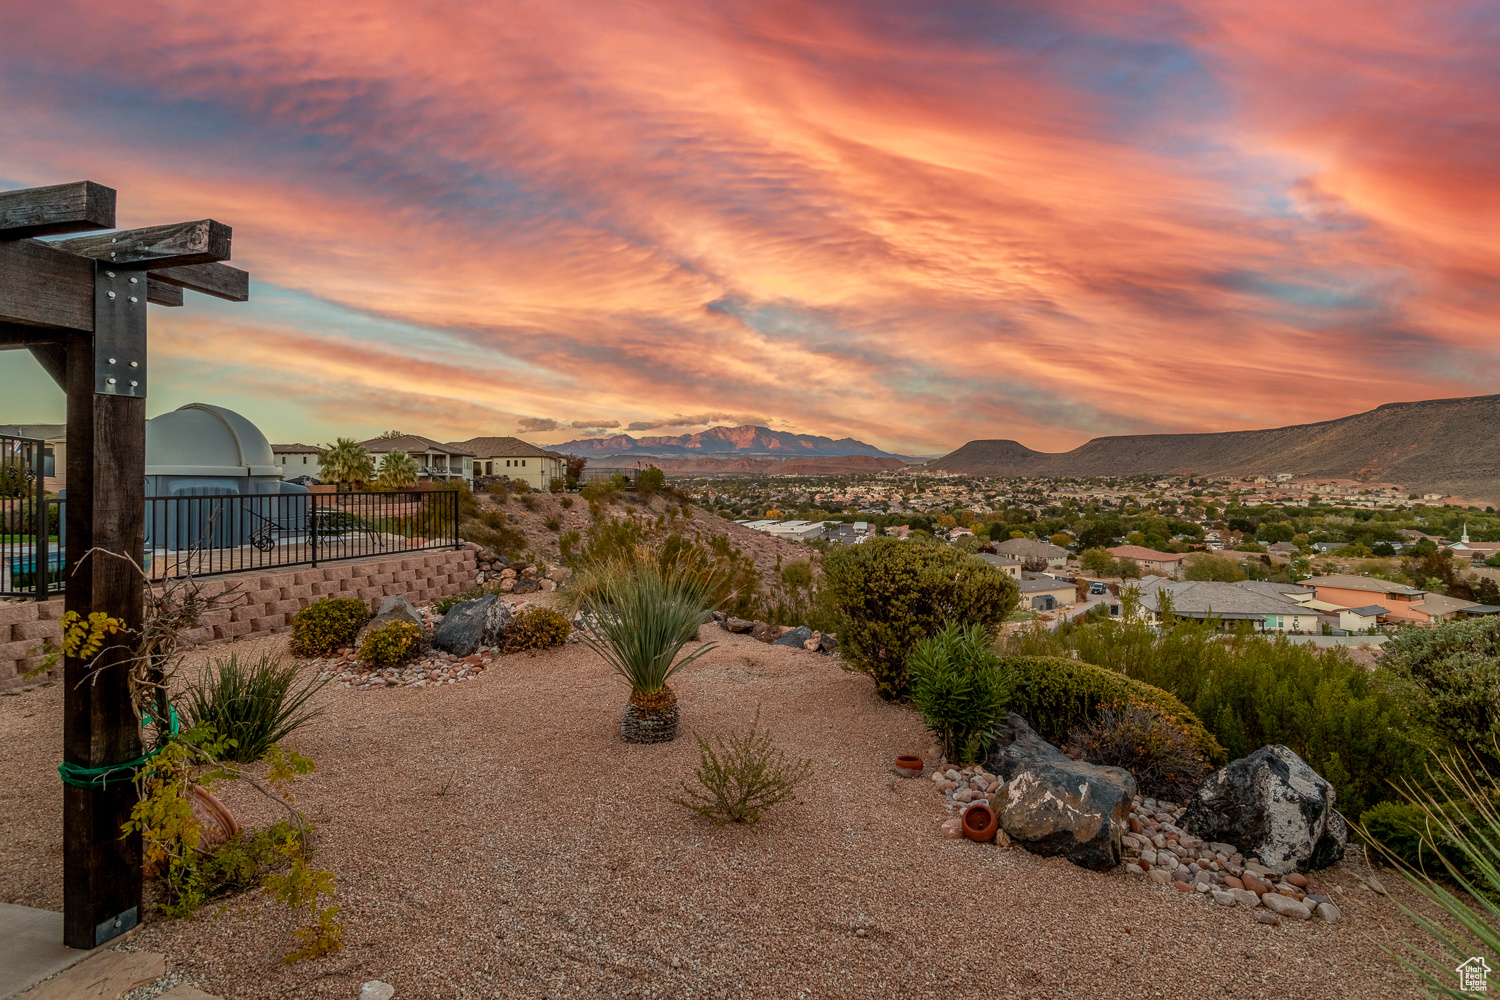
(297, 460)
(1029, 548)
(1271, 609)
(54, 438)
(1150, 560)
(1360, 619)
(510, 456)
(1009, 565)
(436, 462)
(1046, 593)
(1402, 603)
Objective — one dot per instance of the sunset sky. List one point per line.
(913, 222)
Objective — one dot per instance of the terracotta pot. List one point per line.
(908, 762)
(214, 818)
(980, 823)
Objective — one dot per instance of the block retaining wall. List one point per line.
(270, 599)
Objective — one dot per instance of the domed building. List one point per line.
(201, 451)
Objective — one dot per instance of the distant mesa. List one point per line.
(1451, 446)
(723, 442)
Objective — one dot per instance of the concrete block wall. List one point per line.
(269, 599)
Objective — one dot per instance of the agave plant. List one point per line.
(1460, 825)
(641, 619)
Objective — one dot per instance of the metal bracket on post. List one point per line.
(119, 331)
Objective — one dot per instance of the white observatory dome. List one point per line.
(203, 440)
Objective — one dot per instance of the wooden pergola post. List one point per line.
(79, 306)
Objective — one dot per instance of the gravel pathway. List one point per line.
(495, 838)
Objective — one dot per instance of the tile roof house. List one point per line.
(510, 456)
(1150, 559)
(1031, 548)
(1009, 565)
(436, 462)
(1401, 603)
(297, 460)
(1271, 609)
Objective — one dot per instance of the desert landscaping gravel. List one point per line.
(496, 838)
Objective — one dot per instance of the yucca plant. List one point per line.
(639, 621)
(254, 704)
(1461, 827)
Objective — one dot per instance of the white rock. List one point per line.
(1285, 906)
(376, 990)
(1225, 898)
(1329, 913)
(1245, 898)
(1135, 869)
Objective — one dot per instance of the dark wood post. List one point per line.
(106, 432)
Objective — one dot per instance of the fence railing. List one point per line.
(25, 516)
(217, 533)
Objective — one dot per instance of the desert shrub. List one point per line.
(961, 690)
(740, 777)
(887, 595)
(1165, 761)
(492, 529)
(391, 644)
(326, 625)
(553, 524)
(520, 487)
(1400, 831)
(253, 705)
(528, 501)
(674, 546)
(651, 480)
(555, 485)
(1057, 695)
(1450, 674)
(498, 490)
(642, 619)
(1252, 690)
(566, 503)
(537, 628)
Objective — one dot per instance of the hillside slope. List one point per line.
(1449, 446)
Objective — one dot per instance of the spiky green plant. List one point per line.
(1461, 827)
(255, 704)
(960, 687)
(641, 620)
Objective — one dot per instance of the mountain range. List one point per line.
(720, 442)
(1449, 446)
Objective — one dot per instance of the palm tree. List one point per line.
(398, 471)
(346, 461)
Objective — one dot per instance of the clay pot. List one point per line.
(214, 818)
(980, 823)
(909, 766)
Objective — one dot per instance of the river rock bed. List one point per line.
(1158, 849)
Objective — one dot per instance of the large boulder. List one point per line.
(471, 624)
(1053, 805)
(797, 637)
(393, 609)
(1273, 806)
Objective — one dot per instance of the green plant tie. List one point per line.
(113, 774)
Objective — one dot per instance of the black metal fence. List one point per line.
(214, 533)
(26, 516)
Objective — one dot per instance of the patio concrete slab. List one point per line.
(31, 948)
(107, 975)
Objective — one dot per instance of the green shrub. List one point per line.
(959, 687)
(1398, 829)
(528, 501)
(556, 485)
(326, 625)
(553, 524)
(391, 644)
(520, 487)
(743, 778)
(651, 480)
(1253, 690)
(1450, 674)
(1056, 695)
(642, 619)
(674, 546)
(537, 628)
(255, 705)
(566, 503)
(887, 595)
(1164, 760)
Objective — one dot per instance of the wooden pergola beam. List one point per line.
(41, 285)
(181, 243)
(60, 208)
(161, 293)
(219, 280)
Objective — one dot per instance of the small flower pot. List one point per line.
(980, 822)
(909, 766)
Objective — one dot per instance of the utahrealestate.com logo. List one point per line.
(1473, 976)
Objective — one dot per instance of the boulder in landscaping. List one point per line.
(796, 637)
(828, 643)
(399, 603)
(471, 624)
(1275, 807)
(1052, 805)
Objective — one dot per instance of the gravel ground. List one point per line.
(495, 838)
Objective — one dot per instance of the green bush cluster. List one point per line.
(1057, 694)
(961, 690)
(326, 625)
(253, 706)
(391, 644)
(1253, 690)
(1450, 675)
(537, 628)
(887, 595)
